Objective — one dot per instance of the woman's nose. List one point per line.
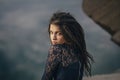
(54, 37)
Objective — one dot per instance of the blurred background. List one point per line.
(24, 41)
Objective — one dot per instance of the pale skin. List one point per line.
(56, 36)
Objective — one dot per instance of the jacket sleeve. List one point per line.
(53, 60)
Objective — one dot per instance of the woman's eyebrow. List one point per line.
(55, 31)
(58, 31)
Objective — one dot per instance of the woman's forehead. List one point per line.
(54, 27)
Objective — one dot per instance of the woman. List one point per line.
(68, 58)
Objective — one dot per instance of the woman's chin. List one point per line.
(54, 43)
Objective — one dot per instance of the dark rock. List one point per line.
(106, 13)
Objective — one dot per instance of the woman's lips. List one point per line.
(53, 42)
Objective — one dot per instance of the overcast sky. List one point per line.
(23, 26)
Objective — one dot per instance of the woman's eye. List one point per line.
(51, 32)
(59, 33)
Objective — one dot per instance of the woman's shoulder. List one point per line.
(58, 47)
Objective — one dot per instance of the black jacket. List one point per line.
(63, 64)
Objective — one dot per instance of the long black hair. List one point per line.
(73, 34)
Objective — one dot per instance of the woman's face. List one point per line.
(56, 36)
